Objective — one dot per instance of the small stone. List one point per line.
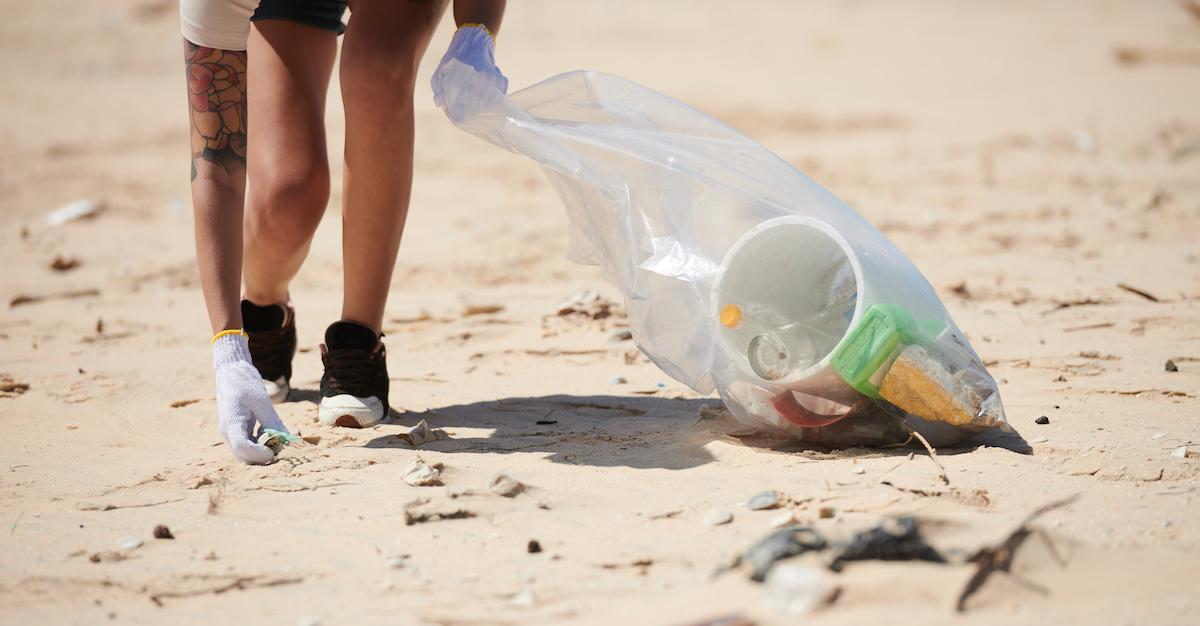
(618, 380)
(787, 518)
(1180, 453)
(418, 473)
(505, 485)
(162, 532)
(523, 598)
(619, 335)
(1171, 367)
(763, 501)
(1043, 420)
(858, 469)
(826, 512)
(130, 543)
(717, 517)
(795, 589)
(533, 547)
(396, 562)
(72, 426)
(1039, 440)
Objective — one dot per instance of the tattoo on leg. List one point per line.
(216, 81)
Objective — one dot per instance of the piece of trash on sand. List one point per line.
(481, 309)
(795, 589)
(418, 473)
(72, 211)
(765, 500)
(858, 469)
(64, 264)
(505, 485)
(421, 434)
(894, 539)
(717, 517)
(1180, 453)
(162, 532)
(779, 545)
(130, 543)
(1039, 440)
(277, 439)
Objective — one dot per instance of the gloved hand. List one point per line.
(241, 400)
(474, 45)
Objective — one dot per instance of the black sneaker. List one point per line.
(354, 389)
(272, 331)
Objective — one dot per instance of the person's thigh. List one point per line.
(289, 68)
(385, 40)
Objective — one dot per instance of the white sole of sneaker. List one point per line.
(350, 411)
(277, 390)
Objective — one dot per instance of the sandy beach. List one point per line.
(1039, 162)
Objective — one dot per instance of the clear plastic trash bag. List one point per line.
(739, 273)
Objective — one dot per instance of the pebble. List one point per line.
(787, 518)
(130, 543)
(1043, 420)
(523, 598)
(765, 500)
(795, 589)
(1039, 440)
(858, 469)
(1180, 453)
(717, 517)
(826, 512)
(623, 334)
(1171, 367)
(533, 547)
(505, 485)
(396, 562)
(618, 380)
(162, 532)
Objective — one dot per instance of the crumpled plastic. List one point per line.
(740, 274)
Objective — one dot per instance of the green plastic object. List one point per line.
(881, 333)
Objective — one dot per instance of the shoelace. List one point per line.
(270, 351)
(351, 371)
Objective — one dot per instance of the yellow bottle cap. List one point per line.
(731, 316)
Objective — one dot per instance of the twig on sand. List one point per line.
(113, 507)
(933, 457)
(1140, 292)
(58, 295)
(999, 558)
(241, 583)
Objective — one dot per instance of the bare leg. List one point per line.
(290, 65)
(384, 44)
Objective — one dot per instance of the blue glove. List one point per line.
(473, 45)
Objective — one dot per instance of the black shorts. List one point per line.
(324, 14)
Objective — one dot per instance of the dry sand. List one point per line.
(1029, 156)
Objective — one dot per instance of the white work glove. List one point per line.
(473, 45)
(242, 400)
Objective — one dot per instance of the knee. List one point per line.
(287, 203)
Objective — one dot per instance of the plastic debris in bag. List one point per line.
(739, 273)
